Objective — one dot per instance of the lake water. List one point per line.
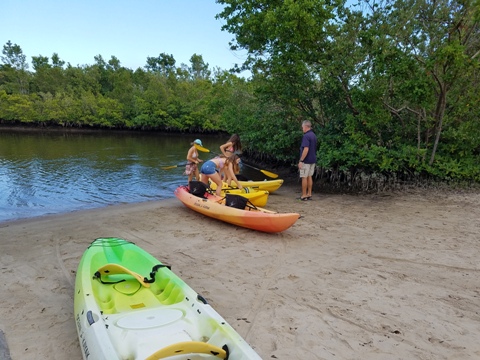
(55, 172)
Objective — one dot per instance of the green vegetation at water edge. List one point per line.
(391, 88)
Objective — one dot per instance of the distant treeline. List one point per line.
(159, 96)
(392, 89)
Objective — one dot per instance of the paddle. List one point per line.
(268, 173)
(172, 166)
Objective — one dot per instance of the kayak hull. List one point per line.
(256, 219)
(128, 305)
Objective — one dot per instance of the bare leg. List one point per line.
(204, 179)
(304, 187)
(309, 186)
(216, 178)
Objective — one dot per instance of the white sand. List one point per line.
(357, 277)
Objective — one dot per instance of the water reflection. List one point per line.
(55, 172)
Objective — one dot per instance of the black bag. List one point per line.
(236, 201)
(197, 188)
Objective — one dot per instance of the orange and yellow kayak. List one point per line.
(250, 217)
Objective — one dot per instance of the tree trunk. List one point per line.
(439, 114)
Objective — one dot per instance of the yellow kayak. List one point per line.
(256, 197)
(266, 185)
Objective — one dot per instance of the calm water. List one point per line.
(56, 172)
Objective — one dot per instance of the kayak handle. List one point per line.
(190, 347)
(154, 271)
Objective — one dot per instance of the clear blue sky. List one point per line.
(131, 30)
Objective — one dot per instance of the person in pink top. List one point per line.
(232, 146)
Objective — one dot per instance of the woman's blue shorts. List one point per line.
(208, 168)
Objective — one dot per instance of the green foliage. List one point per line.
(387, 86)
(391, 88)
(16, 108)
(13, 56)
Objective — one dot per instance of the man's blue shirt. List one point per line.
(309, 140)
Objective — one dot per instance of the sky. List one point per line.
(130, 30)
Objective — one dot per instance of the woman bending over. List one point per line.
(211, 168)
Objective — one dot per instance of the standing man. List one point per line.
(308, 160)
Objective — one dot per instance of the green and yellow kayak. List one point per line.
(128, 305)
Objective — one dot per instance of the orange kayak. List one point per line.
(250, 217)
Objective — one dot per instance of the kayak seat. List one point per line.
(238, 202)
(167, 292)
(197, 188)
(112, 271)
(116, 298)
(127, 287)
(121, 290)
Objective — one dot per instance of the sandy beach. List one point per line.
(385, 276)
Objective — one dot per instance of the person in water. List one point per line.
(211, 170)
(191, 169)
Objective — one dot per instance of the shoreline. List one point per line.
(8, 222)
(358, 276)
